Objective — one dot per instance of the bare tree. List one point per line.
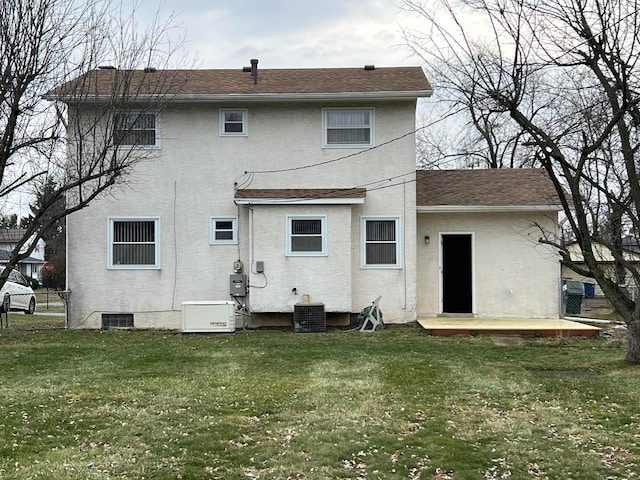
(49, 53)
(462, 136)
(565, 75)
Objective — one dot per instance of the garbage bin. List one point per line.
(589, 290)
(573, 293)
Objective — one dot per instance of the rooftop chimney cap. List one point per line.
(254, 70)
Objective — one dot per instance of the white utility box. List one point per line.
(208, 317)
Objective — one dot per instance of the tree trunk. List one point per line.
(633, 351)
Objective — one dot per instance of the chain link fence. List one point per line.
(585, 299)
(50, 310)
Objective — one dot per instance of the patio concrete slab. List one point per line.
(539, 327)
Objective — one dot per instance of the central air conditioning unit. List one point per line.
(309, 318)
(208, 317)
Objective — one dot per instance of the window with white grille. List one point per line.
(381, 242)
(348, 127)
(224, 230)
(307, 235)
(134, 243)
(233, 122)
(135, 129)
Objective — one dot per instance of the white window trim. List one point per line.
(157, 145)
(323, 223)
(110, 222)
(363, 243)
(372, 124)
(245, 122)
(212, 230)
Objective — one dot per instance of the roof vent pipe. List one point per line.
(254, 70)
(369, 67)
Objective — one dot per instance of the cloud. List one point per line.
(293, 33)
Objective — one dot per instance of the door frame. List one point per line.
(441, 269)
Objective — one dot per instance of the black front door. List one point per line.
(457, 295)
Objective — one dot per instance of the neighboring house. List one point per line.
(478, 250)
(304, 181)
(603, 256)
(30, 266)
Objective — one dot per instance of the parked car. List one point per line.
(17, 293)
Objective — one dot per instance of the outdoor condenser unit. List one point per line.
(309, 318)
(208, 317)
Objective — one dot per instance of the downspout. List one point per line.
(66, 272)
(404, 257)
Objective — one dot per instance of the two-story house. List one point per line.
(273, 186)
(301, 179)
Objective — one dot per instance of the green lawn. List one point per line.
(278, 405)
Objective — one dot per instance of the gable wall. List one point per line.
(191, 178)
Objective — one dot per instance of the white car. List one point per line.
(18, 294)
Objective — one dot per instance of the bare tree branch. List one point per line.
(50, 51)
(559, 84)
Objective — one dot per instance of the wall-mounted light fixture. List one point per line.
(427, 239)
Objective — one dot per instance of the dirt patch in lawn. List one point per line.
(565, 373)
(508, 341)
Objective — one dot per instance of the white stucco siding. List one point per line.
(192, 177)
(325, 278)
(513, 275)
(396, 285)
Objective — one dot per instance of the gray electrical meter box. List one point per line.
(238, 285)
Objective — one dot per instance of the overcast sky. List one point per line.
(290, 33)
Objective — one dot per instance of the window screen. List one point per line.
(381, 242)
(307, 236)
(134, 243)
(134, 129)
(348, 127)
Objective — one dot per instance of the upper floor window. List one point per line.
(381, 242)
(135, 129)
(134, 243)
(348, 127)
(233, 122)
(224, 230)
(307, 235)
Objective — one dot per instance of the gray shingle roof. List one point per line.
(237, 82)
(301, 193)
(494, 188)
(11, 235)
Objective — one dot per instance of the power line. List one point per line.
(364, 185)
(344, 157)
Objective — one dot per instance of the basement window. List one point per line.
(117, 320)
